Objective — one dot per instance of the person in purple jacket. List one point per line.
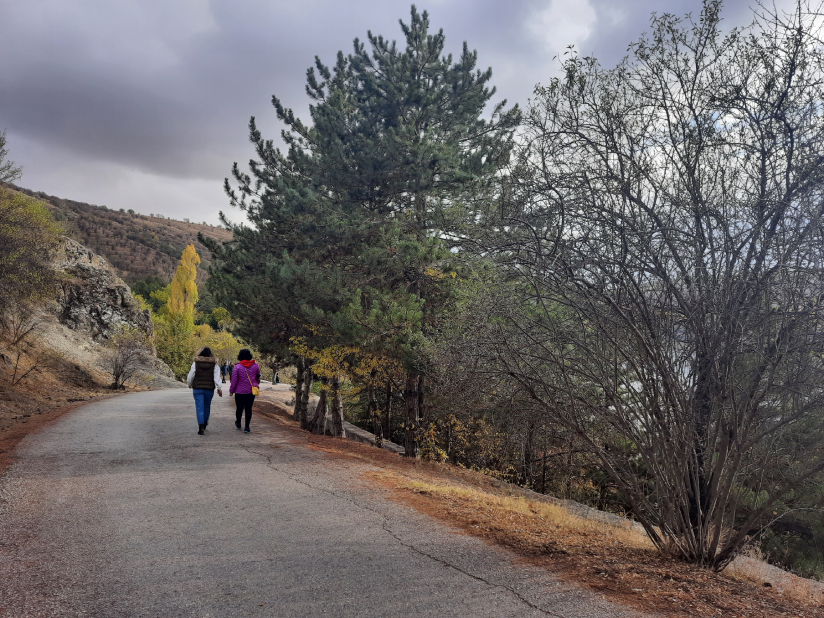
(244, 377)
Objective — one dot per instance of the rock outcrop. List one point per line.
(92, 298)
(91, 304)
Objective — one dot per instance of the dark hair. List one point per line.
(244, 354)
(207, 351)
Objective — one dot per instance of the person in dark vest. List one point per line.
(245, 378)
(203, 379)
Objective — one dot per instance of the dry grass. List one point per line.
(553, 519)
(755, 570)
(136, 245)
(615, 561)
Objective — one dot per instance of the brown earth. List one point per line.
(610, 560)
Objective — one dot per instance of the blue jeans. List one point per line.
(203, 403)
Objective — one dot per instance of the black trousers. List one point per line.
(244, 402)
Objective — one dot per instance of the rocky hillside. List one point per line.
(91, 303)
(136, 245)
(91, 297)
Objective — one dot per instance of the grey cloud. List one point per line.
(166, 87)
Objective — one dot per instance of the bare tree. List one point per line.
(665, 224)
(127, 352)
(20, 324)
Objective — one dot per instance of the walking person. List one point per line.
(203, 379)
(224, 368)
(244, 386)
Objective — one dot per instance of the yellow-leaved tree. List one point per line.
(175, 339)
(183, 293)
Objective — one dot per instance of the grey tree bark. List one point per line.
(318, 422)
(374, 411)
(411, 422)
(337, 409)
(305, 395)
(300, 365)
(387, 415)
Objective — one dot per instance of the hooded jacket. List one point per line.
(204, 373)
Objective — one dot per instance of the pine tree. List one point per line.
(354, 218)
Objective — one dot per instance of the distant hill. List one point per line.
(136, 245)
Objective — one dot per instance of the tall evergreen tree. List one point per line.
(356, 218)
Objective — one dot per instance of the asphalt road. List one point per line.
(120, 509)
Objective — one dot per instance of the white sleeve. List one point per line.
(218, 383)
(191, 376)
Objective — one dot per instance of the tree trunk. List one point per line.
(318, 423)
(422, 410)
(543, 473)
(337, 409)
(374, 412)
(304, 400)
(387, 416)
(528, 457)
(275, 367)
(410, 397)
(301, 368)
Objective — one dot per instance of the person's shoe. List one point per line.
(246, 430)
(200, 429)
(205, 425)
(237, 424)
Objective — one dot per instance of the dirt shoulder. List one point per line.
(57, 387)
(612, 560)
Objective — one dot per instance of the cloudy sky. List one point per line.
(144, 104)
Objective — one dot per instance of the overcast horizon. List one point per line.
(145, 105)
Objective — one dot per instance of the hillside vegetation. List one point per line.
(138, 246)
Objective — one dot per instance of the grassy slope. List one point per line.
(136, 245)
(613, 560)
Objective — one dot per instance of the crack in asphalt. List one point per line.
(512, 591)
(410, 546)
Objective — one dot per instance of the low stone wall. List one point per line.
(282, 395)
(361, 435)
